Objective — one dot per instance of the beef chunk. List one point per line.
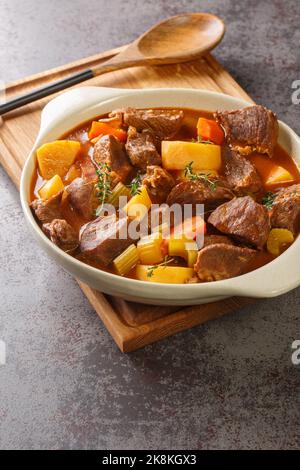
(200, 192)
(244, 219)
(252, 129)
(88, 169)
(158, 183)
(222, 261)
(241, 175)
(99, 239)
(213, 239)
(286, 209)
(141, 150)
(47, 210)
(110, 151)
(163, 123)
(62, 234)
(82, 197)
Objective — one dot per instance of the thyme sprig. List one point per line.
(103, 185)
(268, 199)
(135, 185)
(200, 140)
(189, 173)
(167, 260)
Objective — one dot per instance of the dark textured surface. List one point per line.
(227, 384)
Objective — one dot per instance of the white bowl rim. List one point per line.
(252, 284)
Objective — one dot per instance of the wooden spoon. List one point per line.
(177, 39)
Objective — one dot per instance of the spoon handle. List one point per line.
(45, 91)
(110, 66)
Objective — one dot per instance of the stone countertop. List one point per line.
(228, 384)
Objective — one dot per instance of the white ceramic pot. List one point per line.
(79, 105)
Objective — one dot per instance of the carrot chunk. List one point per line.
(101, 128)
(210, 130)
(189, 229)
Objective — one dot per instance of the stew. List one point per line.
(106, 193)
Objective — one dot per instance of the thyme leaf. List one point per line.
(268, 200)
(135, 185)
(189, 173)
(200, 140)
(103, 189)
(167, 260)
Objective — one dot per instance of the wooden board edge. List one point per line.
(222, 76)
(130, 338)
(120, 332)
(11, 167)
(178, 322)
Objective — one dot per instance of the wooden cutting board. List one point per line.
(131, 325)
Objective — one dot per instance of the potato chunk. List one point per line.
(279, 237)
(164, 274)
(186, 249)
(55, 158)
(176, 155)
(271, 173)
(138, 205)
(279, 175)
(51, 188)
(72, 173)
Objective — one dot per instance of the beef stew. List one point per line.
(97, 191)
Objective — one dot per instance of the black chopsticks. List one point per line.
(45, 91)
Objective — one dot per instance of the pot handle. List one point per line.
(75, 99)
